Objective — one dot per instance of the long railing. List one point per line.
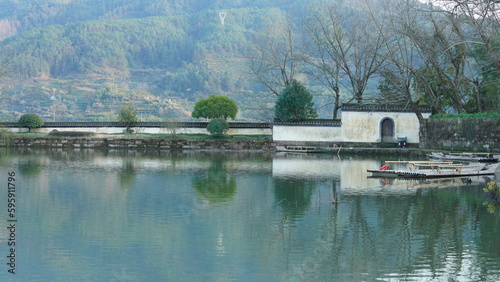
(382, 108)
(312, 122)
(201, 124)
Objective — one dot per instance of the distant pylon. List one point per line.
(222, 16)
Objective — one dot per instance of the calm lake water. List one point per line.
(94, 215)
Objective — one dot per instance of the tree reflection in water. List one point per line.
(216, 185)
(127, 175)
(293, 195)
(30, 168)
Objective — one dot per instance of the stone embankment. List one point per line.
(143, 143)
(261, 145)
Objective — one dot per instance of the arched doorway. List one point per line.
(387, 130)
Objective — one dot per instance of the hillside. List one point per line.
(82, 60)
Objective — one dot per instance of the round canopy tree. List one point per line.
(30, 121)
(294, 104)
(215, 106)
(127, 116)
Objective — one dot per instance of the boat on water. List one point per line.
(466, 157)
(442, 182)
(430, 169)
(451, 171)
(298, 149)
(387, 170)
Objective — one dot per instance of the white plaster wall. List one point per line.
(366, 126)
(250, 131)
(307, 133)
(152, 130)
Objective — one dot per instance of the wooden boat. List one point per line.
(451, 171)
(442, 182)
(298, 149)
(466, 157)
(386, 171)
(434, 169)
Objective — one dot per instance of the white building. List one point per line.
(359, 123)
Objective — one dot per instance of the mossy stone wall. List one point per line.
(466, 134)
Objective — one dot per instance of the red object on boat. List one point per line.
(385, 167)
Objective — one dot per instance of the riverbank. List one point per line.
(135, 142)
(139, 143)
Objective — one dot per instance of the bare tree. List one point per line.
(321, 65)
(483, 16)
(274, 63)
(327, 74)
(345, 33)
(401, 55)
(425, 51)
(446, 41)
(5, 56)
(441, 47)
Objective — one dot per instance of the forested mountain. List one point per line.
(83, 59)
(29, 14)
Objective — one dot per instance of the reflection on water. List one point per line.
(293, 195)
(216, 185)
(90, 215)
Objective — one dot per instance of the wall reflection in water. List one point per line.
(192, 215)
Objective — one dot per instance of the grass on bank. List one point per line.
(197, 136)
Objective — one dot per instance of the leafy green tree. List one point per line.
(218, 127)
(30, 121)
(438, 90)
(487, 82)
(295, 104)
(390, 89)
(215, 106)
(128, 116)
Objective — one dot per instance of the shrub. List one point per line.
(493, 191)
(294, 104)
(129, 130)
(71, 133)
(218, 127)
(172, 127)
(30, 121)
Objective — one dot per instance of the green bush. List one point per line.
(30, 121)
(218, 127)
(295, 104)
(71, 133)
(493, 191)
(129, 130)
